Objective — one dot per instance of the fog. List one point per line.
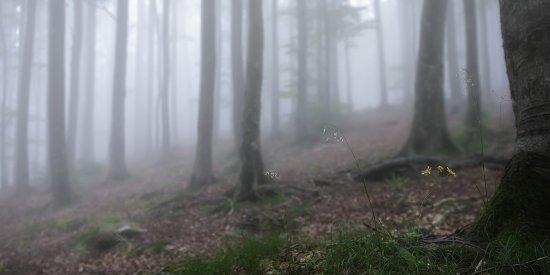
(105, 101)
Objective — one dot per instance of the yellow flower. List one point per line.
(440, 169)
(426, 172)
(451, 172)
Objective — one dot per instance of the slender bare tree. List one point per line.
(22, 132)
(202, 169)
(237, 67)
(117, 145)
(74, 90)
(88, 141)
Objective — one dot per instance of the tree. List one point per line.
(57, 147)
(140, 79)
(74, 83)
(218, 75)
(522, 199)
(165, 79)
(300, 111)
(473, 115)
(22, 139)
(3, 120)
(202, 169)
(275, 85)
(252, 170)
(429, 132)
(237, 67)
(117, 150)
(88, 148)
(381, 54)
(452, 56)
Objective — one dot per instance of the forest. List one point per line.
(274, 137)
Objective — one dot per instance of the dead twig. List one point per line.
(510, 266)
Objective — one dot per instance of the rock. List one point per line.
(130, 232)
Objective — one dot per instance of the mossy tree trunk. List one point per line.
(522, 201)
(429, 132)
(251, 159)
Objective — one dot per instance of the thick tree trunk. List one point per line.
(202, 170)
(74, 84)
(300, 111)
(21, 136)
(522, 200)
(150, 79)
(88, 141)
(452, 59)
(381, 55)
(117, 145)
(429, 132)
(139, 80)
(3, 120)
(473, 115)
(165, 79)
(218, 76)
(237, 67)
(275, 85)
(251, 158)
(174, 72)
(57, 148)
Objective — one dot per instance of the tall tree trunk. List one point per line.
(88, 141)
(251, 158)
(300, 111)
(237, 67)
(326, 89)
(150, 79)
(22, 133)
(473, 115)
(218, 77)
(522, 199)
(74, 84)
(429, 132)
(275, 85)
(139, 80)
(202, 170)
(117, 145)
(452, 62)
(408, 47)
(57, 147)
(485, 75)
(166, 78)
(174, 72)
(3, 120)
(381, 54)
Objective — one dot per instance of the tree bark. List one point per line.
(275, 85)
(21, 153)
(74, 85)
(473, 115)
(117, 146)
(300, 111)
(88, 141)
(237, 67)
(218, 76)
(453, 74)
(57, 148)
(202, 169)
(522, 200)
(381, 55)
(250, 151)
(326, 110)
(429, 132)
(140, 80)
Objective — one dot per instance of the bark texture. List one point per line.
(252, 170)
(522, 200)
(202, 169)
(117, 146)
(429, 132)
(57, 148)
(22, 131)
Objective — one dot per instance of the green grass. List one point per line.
(396, 183)
(368, 252)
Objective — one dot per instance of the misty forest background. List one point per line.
(136, 135)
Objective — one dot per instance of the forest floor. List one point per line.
(317, 198)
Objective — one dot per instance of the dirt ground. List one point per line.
(316, 197)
